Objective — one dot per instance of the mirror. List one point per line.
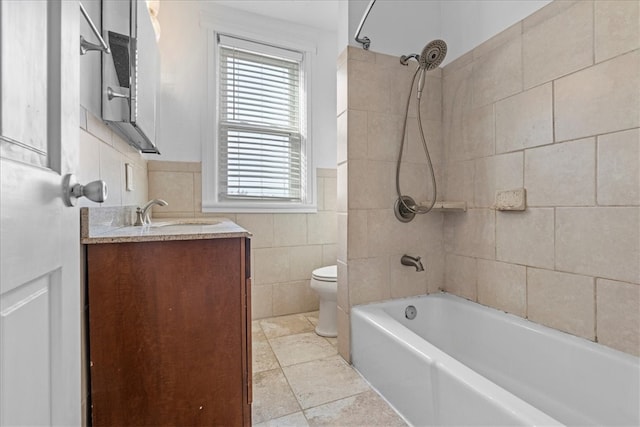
(130, 75)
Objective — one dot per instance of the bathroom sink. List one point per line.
(186, 222)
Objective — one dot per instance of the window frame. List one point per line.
(211, 202)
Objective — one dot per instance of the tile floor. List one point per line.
(300, 380)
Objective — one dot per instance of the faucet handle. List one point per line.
(145, 209)
(139, 221)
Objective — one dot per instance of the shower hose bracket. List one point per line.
(404, 208)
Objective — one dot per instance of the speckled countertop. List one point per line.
(115, 225)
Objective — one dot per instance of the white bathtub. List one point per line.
(460, 363)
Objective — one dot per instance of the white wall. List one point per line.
(395, 27)
(183, 50)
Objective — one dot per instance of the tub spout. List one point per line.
(412, 262)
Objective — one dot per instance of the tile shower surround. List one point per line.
(285, 248)
(372, 96)
(565, 127)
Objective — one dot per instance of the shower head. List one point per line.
(432, 55)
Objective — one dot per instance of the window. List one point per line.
(262, 148)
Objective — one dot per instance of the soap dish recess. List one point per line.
(511, 200)
(447, 206)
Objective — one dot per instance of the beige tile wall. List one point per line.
(103, 155)
(286, 248)
(372, 94)
(551, 104)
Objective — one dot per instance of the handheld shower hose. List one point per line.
(431, 57)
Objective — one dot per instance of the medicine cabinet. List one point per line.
(130, 74)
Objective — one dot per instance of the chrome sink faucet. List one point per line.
(412, 262)
(142, 214)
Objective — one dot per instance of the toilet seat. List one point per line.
(326, 274)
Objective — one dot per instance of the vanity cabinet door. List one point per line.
(168, 333)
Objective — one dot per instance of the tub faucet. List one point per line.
(412, 262)
(142, 214)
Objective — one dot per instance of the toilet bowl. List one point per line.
(323, 281)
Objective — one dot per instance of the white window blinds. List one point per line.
(260, 142)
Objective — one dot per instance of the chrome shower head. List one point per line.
(432, 55)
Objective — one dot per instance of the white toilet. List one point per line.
(324, 282)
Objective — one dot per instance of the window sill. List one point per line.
(236, 207)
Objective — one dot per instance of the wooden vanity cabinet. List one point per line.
(169, 333)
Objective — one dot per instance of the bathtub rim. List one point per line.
(494, 394)
(381, 316)
(513, 318)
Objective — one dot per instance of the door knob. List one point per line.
(71, 190)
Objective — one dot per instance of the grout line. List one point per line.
(494, 129)
(555, 231)
(475, 278)
(522, 47)
(288, 383)
(280, 368)
(526, 292)
(597, 167)
(593, 33)
(595, 309)
(553, 111)
(340, 398)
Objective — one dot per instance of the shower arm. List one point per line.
(364, 41)
(404, 59)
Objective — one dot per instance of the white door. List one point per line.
(40, 308)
